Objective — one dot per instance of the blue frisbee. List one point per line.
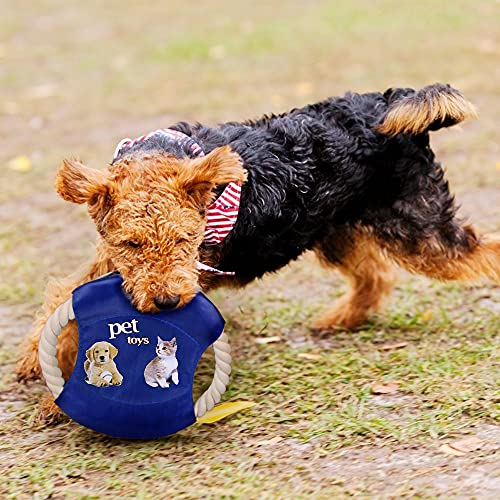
(133, 376)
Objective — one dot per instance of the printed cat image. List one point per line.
(164, 367)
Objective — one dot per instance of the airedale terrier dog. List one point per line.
(352, 178)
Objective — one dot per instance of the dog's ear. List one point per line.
(80, 184)
(113, 351)
(221, 166)
(90, 354)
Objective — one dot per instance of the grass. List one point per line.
(92, 73)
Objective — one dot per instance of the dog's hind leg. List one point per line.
(56, 293)
(371, 277)
(457, 253)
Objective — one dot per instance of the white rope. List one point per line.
(55, 382)
(213, 394)
(47, 347)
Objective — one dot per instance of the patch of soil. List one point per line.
(394, 471)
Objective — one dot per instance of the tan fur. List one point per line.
(414, 114)
(371, 279)
(94, 366)
(48, 411)
(128, 205)
(436, 260)
(57, 292)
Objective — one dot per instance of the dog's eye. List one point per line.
(180, 241)
(133, 244)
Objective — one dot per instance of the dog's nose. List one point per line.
(167, 302)
(101, 358)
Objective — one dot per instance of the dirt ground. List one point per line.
(76, 77)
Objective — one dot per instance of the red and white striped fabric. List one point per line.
(221, 214)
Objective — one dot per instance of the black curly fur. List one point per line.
(316, 172)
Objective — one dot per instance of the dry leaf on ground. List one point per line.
(387, 388)
(20, 163)
(392, 347)
(308, 355)
(224, 410)
(269, 442)
(427, 315)
(468, 444)
(448, 450)
(268, 340)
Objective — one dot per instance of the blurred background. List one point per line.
(76, 77)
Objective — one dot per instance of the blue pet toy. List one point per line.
(133, 376)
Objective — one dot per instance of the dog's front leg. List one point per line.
(48, 411)
(57, 292)
(28, 367)
(117, 378)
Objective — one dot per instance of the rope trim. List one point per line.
(55, 382)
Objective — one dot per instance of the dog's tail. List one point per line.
(431, 108)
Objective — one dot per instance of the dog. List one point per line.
(99, 365)
(352, 178)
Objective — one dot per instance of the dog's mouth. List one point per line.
(160, 301)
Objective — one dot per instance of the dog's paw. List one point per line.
(48, 412)
(100, 382)
(339, 319)
(117, 380)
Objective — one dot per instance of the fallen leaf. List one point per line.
(427, 315)
(20, 164)
(467, 445)
(308, 355)
(269, 442)
(389, 388)
(391, 347)
(223, 410)
(448, 450)
(268, 340)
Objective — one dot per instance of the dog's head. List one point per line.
(101, 352)
(150, 210)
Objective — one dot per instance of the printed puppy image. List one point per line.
(100, 368)
(160, 369)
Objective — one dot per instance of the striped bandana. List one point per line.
(221, 214)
